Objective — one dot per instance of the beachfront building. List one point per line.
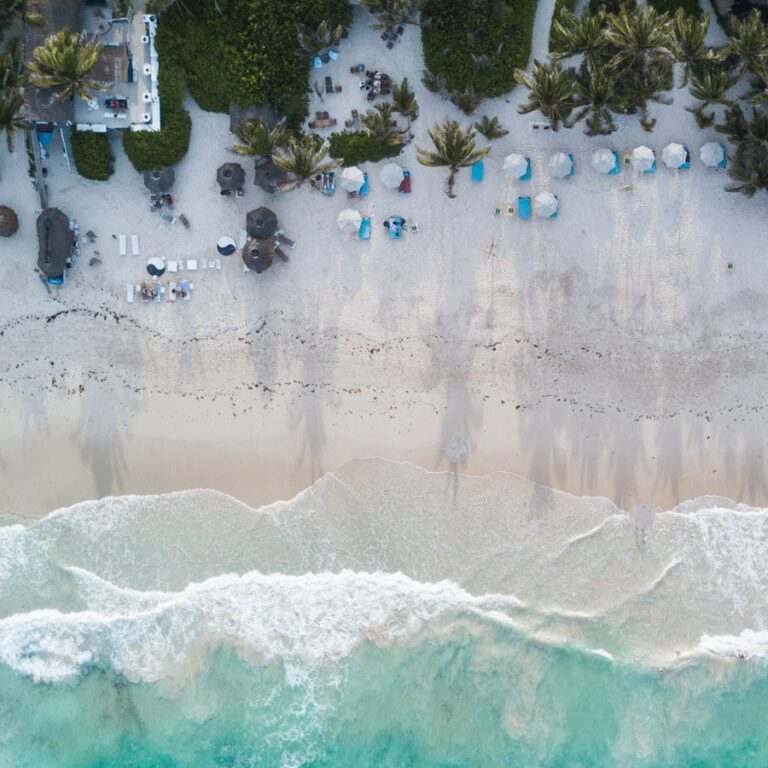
(127, 69)
(57, 241)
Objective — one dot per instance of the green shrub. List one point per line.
(691, 7)
(154, 149)
(355, 147)
(92, 154)
(569, 5)
(477, 45)
(248, 54)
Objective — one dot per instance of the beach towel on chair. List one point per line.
(524, 207)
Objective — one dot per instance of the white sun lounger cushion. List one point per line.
(135, 245)
(129, 293)
(123, 245)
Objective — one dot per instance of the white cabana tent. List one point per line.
(545, 204)
(674, 155)
(352, 179)
(643, 158)
(603, 160)
(349, 221)
(560, 165)
(515, 165)
(391, 175)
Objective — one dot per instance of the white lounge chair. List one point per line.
(135, 245)
(123, 245)
(173, 266)
(192, 265)
(243, 238)
(218, 263)
(129, 293)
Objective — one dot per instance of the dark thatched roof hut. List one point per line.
(261, 223)
(159, 181)
(231, 177)
(40, 104)
(268, 176)
(9, 221)
(55, 241)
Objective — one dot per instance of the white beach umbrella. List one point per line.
(349, 221)
(545, 204)
(560, 165)
(515, 165)
(352, 178)
(642, 158)
(674, 155)
(603, 160)
(712, 154)
(391, 175)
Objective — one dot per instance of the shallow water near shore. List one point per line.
(387, 616)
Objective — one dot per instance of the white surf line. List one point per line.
(582, 536)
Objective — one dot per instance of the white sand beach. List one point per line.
(607, 352)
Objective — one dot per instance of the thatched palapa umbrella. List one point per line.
(159, 181)
(230, 177)
(269, 177)
(261, 223)
(259, 255)
(9, 221)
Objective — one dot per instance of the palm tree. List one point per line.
(454, 148)
(688, 46)
(258, 140)
(597, 99)
(378, 122)
(748, 42)
(12, 66)
(490, 128)
(315, 41)
(404, 102)
(641, 88)
(10, 105)
(710, 87)
(579, 36)
(63, 63)
(639, 36)
(393, 13)
(11, 8)
(735, 125)
(303, 158)
(551, 91)
(749, 169)
(158, 6)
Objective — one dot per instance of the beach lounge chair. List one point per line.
(284, 239)
(527, 175)
(497, 209)
(172, 266)
(573, 163)
(135, 245)
(281, 254)
(395, 230)
(192, 265)
(186, 289)
(172, 296)
(328, 184)
(364, 233)
(652, 169)
(332, 54)
(363, 191)
(617, 166)
(217, 263)
(510, 211)
(158, 292)
(405, 184)
(122, 243)
(724, 161)
(687, 164)
(524, 207)
(317, 63)
(478, 169)
(129, 293)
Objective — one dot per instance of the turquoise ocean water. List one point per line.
(379, 620)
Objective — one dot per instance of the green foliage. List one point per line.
(155, 149)
(477, 44)
(560, 5)
(93, 155)
(353, 148)
(690, 7)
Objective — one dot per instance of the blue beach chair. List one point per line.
(527, 175)
(652, 169)
(317, 63)
(573, 163)
(158, 292)
(724, 161)
(617, 166)
(363, 191)
(524, 207)
(364, 233)
(332, 54)
(478, 170)
(687, 164)
(395, 230)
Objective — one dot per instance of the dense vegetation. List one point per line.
(92, 155)
(155, 149)
(247, 54)
(355, 147)
(474, 46)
